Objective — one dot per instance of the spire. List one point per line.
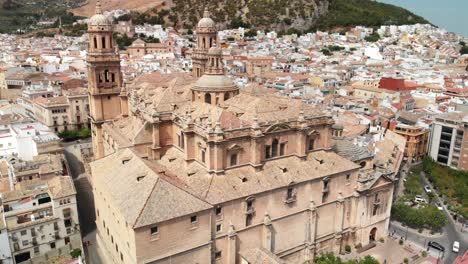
(206, 13)
(98, 7)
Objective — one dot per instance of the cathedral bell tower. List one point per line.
(104, 77)
(207, 36)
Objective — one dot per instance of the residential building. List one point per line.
(190, 169)
(416, 141)
(23, 138)
(41, 219)
(449, 140)
(140, 48)
(61, 113)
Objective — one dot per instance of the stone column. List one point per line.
(311, 231)
(267, 233)
(339, 219)
(231, 245)
(98, 142)
(155, 146)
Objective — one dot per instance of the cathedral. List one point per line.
(190, 169)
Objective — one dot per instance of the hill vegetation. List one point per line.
(284, 16)
(344, 13)
(25, 14)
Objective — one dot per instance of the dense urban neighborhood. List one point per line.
(125, 141)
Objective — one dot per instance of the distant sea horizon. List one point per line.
(447, 14)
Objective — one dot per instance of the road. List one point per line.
(446, 238)
(84, 198)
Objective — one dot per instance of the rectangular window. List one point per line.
(290, 193)
(248, 220)
(267, 152)
(203, 156)
(36, 249)
(52, 245)
(311, 144)
(25, 242)
(154, 230)
(218, 254)
(77, 108)
(193, 219)
(282, 149)
(234, 159)
(218, 228)
(23, 232)
(219, 210)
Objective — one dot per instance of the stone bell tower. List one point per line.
(104, 77)
(207, 36)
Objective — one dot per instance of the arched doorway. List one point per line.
(372, 234)
(208, 98)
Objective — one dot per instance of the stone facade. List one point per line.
(199, 172)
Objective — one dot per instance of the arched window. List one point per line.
(311, 144)
(95, 42)
(274, 148)
(106, 75)
(103, 42)
(113, 77)
(363, 164)
(208, 98)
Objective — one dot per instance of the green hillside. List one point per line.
(24, 14)
(343, 13)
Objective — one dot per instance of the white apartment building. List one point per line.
(26, 139)
(41, 220)
(449, 140)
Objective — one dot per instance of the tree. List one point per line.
(368, 260)
(464, 50)
(330, 258)
(326, 52)
(75, 253)
(251, 33)
(374, 37)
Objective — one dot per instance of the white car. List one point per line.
(456, 246)
(439, 206)
(419, 199)
(427, 188)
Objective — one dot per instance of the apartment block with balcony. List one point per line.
(41, 219)
(416, 141)
(449, 140)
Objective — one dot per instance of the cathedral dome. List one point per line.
(214, 83)
(206, 21)
(99, 19)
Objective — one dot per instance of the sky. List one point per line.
(451, 15)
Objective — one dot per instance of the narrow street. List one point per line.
(84, 197)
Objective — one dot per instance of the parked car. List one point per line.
(427, 188)
(456, 246)
(419, 199)
(439, 206)
(436, 245)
